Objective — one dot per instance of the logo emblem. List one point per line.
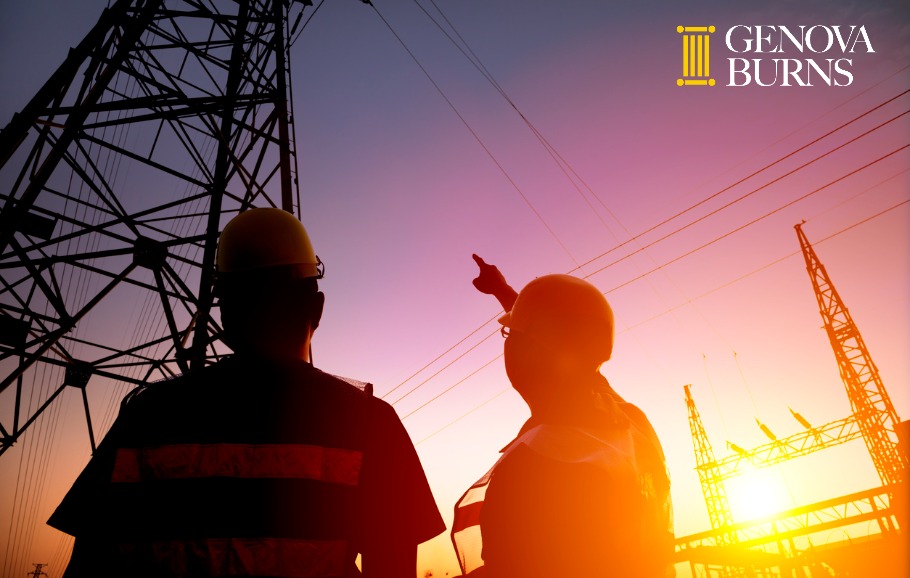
(696, 56)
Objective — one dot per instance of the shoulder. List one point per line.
(642, 426)
(180, 385)
(634, 413)
(638, 418)
(343, 386)
(237, 373)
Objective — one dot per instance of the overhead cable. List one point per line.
(478, 139)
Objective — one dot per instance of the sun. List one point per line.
(757, 494)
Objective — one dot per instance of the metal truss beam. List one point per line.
(794, 446)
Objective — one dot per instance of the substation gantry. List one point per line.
(739, 549)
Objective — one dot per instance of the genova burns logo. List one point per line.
(776, 55)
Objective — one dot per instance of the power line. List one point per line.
(734, 201)
(477, 138)
(753, 221)
(738, 279)
(465, 49)
(450, 388)
(435, 359)
(684, 255)
(562, 163)
(680, 229)
(564, 166)
(462, 46)
(767, 265)
(464, 415)
(448, 365)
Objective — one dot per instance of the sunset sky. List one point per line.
(399, 190)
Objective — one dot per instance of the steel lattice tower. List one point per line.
(871, 405)
(712, 483)
(166, 120)
(873, 419)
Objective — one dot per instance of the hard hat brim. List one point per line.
(290, 271)
(262, 238)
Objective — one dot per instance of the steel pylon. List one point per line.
(872, 407)
(712, 482)
(166, 120)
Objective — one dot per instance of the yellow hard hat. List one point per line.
(266, 237)
(566, 312)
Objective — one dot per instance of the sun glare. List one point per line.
(758, 494)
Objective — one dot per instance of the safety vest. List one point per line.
(192, 499)
(610, 450)
(257, 556)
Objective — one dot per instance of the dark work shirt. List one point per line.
(251, 428)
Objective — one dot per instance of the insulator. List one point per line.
(766, 431)
(736, 448)
(802, 421)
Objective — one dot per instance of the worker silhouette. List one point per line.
(260, 464)
(583, 489)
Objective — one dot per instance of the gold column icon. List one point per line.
(696, 56)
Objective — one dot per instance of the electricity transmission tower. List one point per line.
(167, 119)
(873, 419)
(872, 407)
(709, 474)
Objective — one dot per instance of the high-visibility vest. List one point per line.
(611, 450)
(217, 508)
(221, 557)
(256, 556)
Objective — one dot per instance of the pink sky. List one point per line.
(398, 194)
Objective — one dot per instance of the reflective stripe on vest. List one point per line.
(332, 465)
(466, 537)
(275, 557)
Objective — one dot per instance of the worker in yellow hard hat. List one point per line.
(267, 285)
(260, 464)
(583, 488)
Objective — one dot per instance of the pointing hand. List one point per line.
(490, 280)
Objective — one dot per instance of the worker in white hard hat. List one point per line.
(583, 489)
(259, 464)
